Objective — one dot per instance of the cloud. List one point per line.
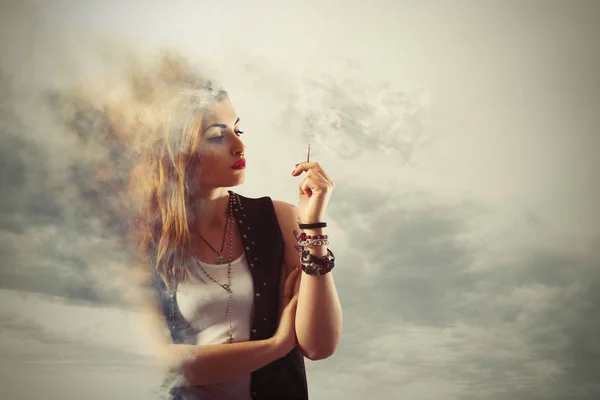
(417, 312)
(69, 349)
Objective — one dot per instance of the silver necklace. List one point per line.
(220, 259)
(227, 286)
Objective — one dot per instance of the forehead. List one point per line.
(221, 112)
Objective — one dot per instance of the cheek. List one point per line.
(208, 166)
(206, 160)
(208, 153)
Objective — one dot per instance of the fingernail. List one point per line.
(297, 164)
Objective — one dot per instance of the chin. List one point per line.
(240, 180)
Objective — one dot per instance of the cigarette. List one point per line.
(308, 155)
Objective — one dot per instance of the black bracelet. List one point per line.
(313, 226)
(316, 270)
(315, 265)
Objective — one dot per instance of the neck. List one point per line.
(210, 207)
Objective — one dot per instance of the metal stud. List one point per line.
(257, 294)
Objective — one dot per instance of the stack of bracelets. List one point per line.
(311, 264)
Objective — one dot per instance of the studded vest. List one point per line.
(264, 247)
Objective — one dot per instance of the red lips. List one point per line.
(239, 165)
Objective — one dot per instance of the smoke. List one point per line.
(342, 107)
(348, 112)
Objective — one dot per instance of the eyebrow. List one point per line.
(222, 125)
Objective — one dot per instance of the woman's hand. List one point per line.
(285, 336)
(315, 190)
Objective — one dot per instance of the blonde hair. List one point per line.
(156, 111)
(173, 100)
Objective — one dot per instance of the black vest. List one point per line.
(264, 247)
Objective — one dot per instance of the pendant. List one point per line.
(227, 287)
(230, 338)
(220, 260)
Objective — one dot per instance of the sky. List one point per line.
(462, 138)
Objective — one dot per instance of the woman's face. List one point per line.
(220, 147)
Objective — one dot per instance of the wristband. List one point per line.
(313, 226)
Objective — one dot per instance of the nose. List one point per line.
(237, 146)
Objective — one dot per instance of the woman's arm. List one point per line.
(209, 364)
(319, 313)
(205, 365)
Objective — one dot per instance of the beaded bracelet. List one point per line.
(317, 266)
(315, 240)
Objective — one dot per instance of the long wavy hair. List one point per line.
(168, 103)
(136, 172)
(155, 115)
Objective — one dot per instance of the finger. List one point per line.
(293, 302)
(317, 173)
(289, 283)
(314, 182)
(297, 284)
(284, 303)
(305, 166)
(290, 306)
(287, 290)
(302, 185)
(317, 177)
(308, 184)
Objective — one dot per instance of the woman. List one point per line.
(237, 303)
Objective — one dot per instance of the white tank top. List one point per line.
(204, 306)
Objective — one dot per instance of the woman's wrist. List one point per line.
(279, 347)
(316, 258)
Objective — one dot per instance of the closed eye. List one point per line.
(219, 138)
